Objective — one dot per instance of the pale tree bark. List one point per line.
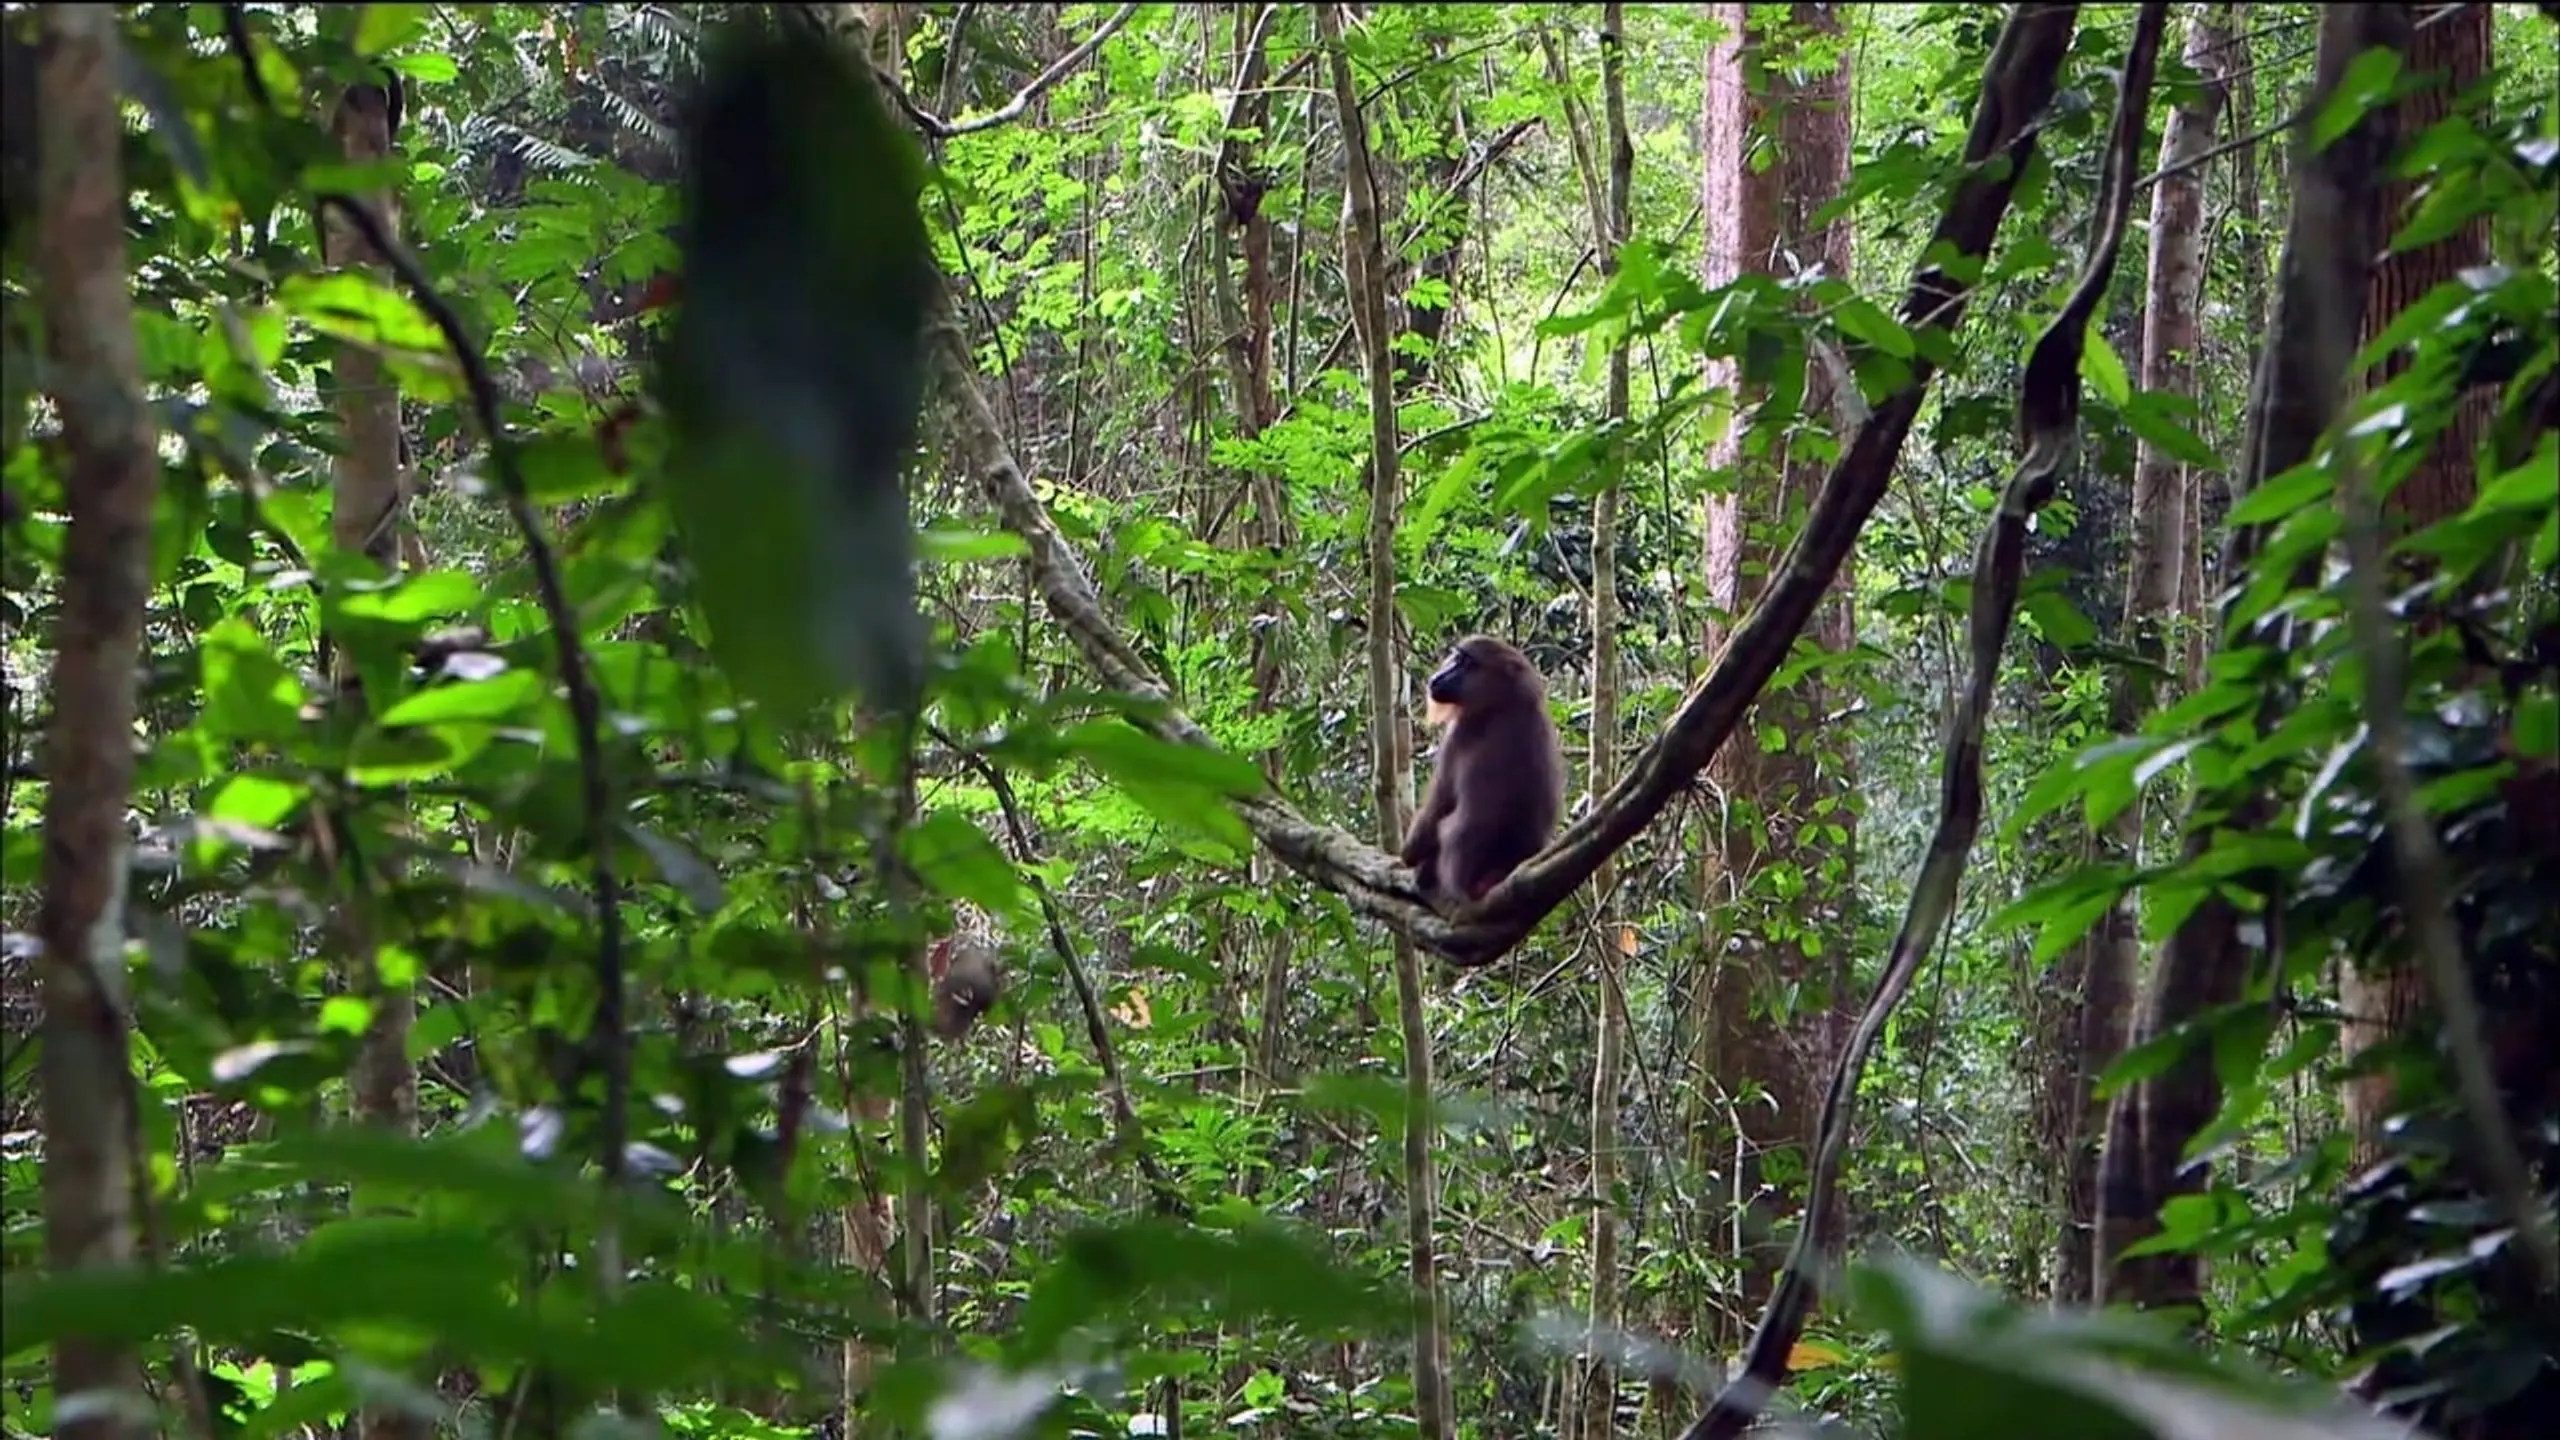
(1610, 200)
(1783, 819)
(2096, 978)
(366, 519)
(1241, 286)
(1391, 746)
(2195, 607)
(111, 482)
(2204, 964)
(2448, 54)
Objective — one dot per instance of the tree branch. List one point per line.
(1015, 108)
(2018, 83)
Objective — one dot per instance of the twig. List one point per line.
(2206, 157)
(1015, 108)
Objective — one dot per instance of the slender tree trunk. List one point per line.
(2448, 55)
(366, 519)
(111, 482)
(1780, 864)
(2097, 977)
(1364, 267)
(1610, 202)
(2195, 606)
(1241, 283)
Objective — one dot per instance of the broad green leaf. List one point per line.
(1252, 1279)
(2151, 416)
(681, 868)
(1973, 1364)
(427, 65)
(387, 27)
(2365, 85)
(354, 305)
(248, 694)
(2537, 725)
(1123, 751)
(559, 469)
(2103, 368)
(2281, 496)
(951, 545)
(957, 860)
(1863, 319)
(502, 696)
(412, 599)
(2058, 620)
(412, 754)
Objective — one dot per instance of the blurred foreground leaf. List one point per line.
(794, 373)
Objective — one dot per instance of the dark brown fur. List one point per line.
(965, 985)
(1498, 789)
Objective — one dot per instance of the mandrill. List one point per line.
(1498, 789)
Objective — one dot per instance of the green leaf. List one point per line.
(353, 305)
(500, 697)
(248, 694)
(2058, 620)
(559, 469)
(2537, 725)
(386, 27)
(956, 859)
(1123, 751)
(1863, 319)
(414, 754)
(2103, 368)
(245, 810)
(680, 867)
(2151, 416)
(952, 545)
(2533, 485)
(2366, 84)
(1255, 1280)
(412, 599)
(2280, 497)
(427, 65)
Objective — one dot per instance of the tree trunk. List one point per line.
(1779, 868)
(2096, 979)
(2447, 56)
(2328, 240)
(1610, 201)
(366, 519)
(1391, 748)
(1241, 286)
(111, 484)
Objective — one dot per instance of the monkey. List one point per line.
(1497, 790)
(966, 982)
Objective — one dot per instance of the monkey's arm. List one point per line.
(1422, 839)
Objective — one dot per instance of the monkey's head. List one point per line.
(1484, 675)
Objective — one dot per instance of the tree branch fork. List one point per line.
(2018, 83)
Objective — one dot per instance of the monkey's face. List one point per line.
(1445, 693)
(1479, 672)
(1448, 684)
